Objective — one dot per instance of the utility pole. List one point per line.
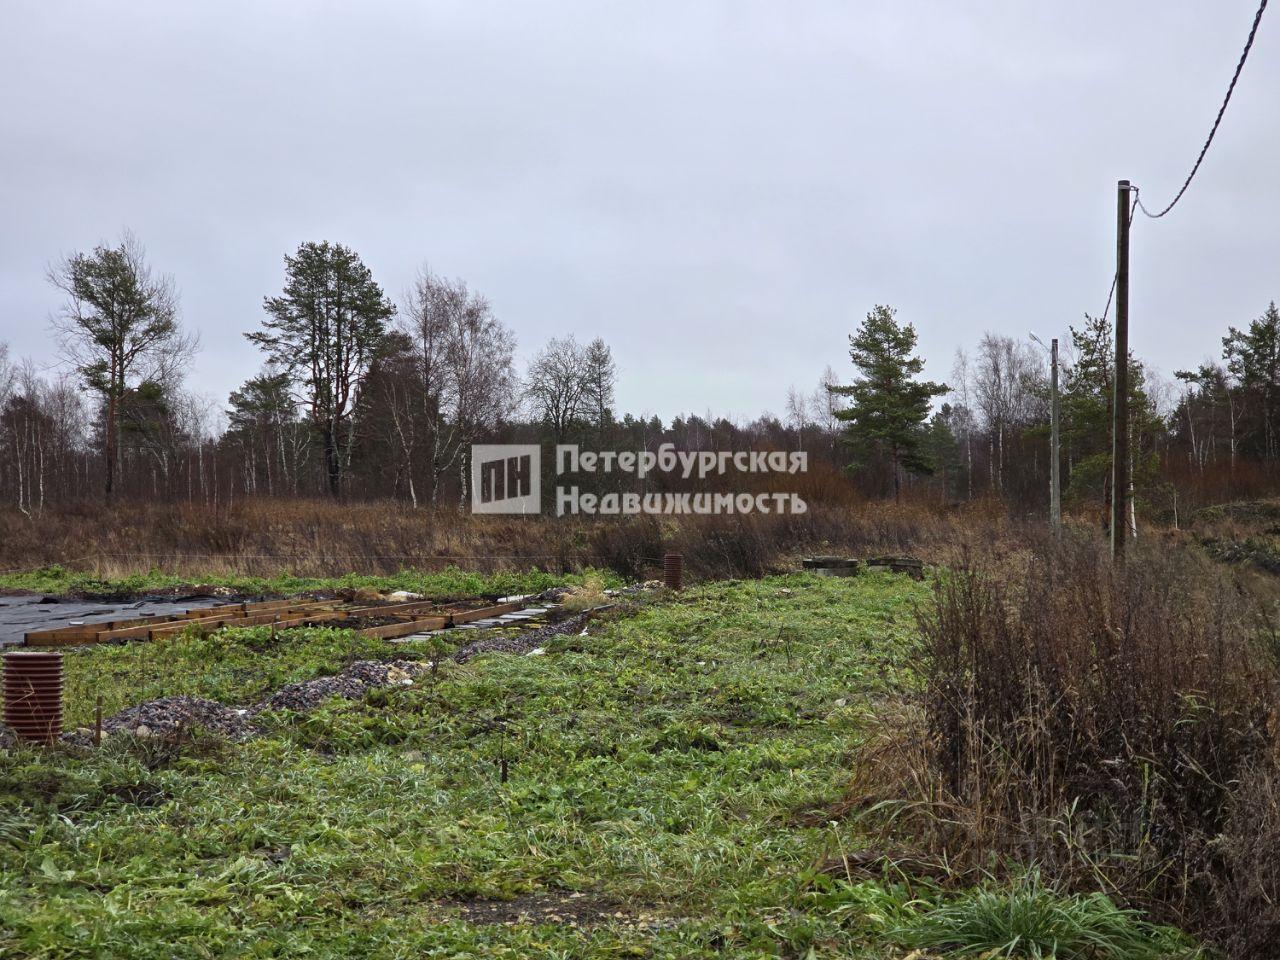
(1055, 459)
(1120, 406)
(1055, 440)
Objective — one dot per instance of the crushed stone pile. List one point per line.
(167, 715)
(524, 642)
(350, 684)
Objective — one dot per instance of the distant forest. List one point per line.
(359, 397)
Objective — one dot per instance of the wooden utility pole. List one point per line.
(1120, 405)
(1055, 452)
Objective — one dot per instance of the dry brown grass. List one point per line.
(1116, 729)
(264, 537)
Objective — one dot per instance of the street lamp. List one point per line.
(1055, 460)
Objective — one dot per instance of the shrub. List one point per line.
(1115, 727)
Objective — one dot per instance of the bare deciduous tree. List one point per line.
(556, 385)
(799, 414)
(1005, 376)
(466, 382)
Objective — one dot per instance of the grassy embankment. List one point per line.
(669, 781)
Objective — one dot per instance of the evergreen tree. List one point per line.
(1208, 415)
(1253, 360)
(600, 376)
(887, 404)
(326, 329)
(1088, 397)
(942, 448)
(120, 322)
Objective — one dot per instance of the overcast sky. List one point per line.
(721, 190)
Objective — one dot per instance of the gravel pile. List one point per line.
(523, 642)
(350, 684)
(167, 715)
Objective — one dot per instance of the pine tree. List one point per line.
(262, 419)
(942, 448)
(325, 329)
(120, 321)
(887, 404)
(1087, 402)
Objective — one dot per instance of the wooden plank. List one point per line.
(144, 631)
(179, 626)
(140, 631)
(149, 627)
(277, 616)
(314, 619)
(265, 606)
(284, 613)
(467, 616)
(390, 631)
(292, 616)
(88, 630)
(389, 609)
(199, 613)
(79, 640)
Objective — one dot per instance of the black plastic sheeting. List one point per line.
(20, 614)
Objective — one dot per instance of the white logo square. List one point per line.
(506, 478)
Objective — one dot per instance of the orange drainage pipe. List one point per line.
(33, 695)
(673, 571)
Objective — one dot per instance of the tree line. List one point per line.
(361, 396)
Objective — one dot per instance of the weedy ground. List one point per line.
(656, 787)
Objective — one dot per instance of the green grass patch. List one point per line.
(1027, 921)
(657, 769)
(236, 666)
(447, 583)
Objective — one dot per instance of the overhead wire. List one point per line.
(1244, 55)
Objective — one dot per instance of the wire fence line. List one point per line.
(323, 557)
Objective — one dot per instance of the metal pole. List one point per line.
(1055, 480)
(1120, 406)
